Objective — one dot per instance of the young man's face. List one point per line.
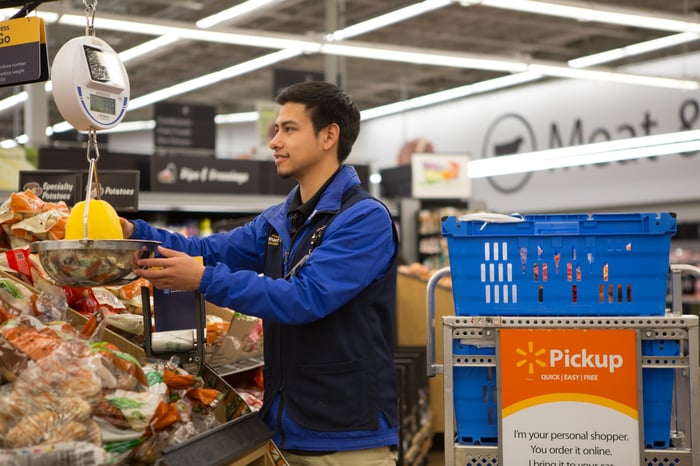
(297, 149)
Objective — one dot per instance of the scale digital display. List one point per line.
(103, 104)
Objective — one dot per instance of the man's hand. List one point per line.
(175, 270)
(127, 227)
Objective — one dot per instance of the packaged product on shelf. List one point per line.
(25, 218)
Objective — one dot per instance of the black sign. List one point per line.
(284, 78)
(204, 175)
(175, 310)
(52, 185)
(75, 159)
(118, 187)
(183, 129)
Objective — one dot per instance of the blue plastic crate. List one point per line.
(475, 397)
(657, 389)
(569, 264)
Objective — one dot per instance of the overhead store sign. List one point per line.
(569, 397)
(204, 175)
(184, 129)
(23, 55)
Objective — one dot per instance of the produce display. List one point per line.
(25, 218)
(66, 385)
(66, 395)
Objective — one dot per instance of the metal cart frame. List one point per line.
(685, 435)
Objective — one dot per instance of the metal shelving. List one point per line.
(684, 449)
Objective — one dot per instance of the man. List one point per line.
(320, 270)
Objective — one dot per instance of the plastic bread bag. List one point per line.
(88, 300)
(137, 408)
(51, 304)
(117, 369)
(130, 295)
(44, 417)
(49, 225)
(72, 453)
(25, 339)
(17, 298)
(129, 323)
(66, 372)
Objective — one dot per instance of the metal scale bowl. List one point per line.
(86, 262)
(91, 90)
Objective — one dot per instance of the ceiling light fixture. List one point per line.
(392, 17)
(234, 12)
(588, 12)
(449, 94)
(414, 55)
(587, 154)
(161, 28)
(172, 33)
(48, 17)
(208, 79)
(634, 49)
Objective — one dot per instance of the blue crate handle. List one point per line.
(556, 228)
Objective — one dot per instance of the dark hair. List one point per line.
(326, 104)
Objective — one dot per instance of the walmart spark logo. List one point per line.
(530, 357)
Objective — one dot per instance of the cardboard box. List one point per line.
(242, 341)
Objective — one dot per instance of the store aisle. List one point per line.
(437, 452)
(436, 457)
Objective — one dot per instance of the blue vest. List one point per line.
(335, 374)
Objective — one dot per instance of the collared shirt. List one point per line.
(298, 212)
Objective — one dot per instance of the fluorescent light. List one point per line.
(233, 12)
(449, 94)
(131, 126)
(423, 57)
(375, 178)
(395, 16)
(387, 53)
(13, 100)
(61, 127)
(231, 118)
(587, 154)
(633, 49)
(613, 76)
(147, 47)
(581, 11)
(48, 17)
(265, 40)
(211, 78)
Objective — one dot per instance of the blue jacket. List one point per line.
(355, 258)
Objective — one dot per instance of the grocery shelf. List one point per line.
(150, 201)
(241, 365)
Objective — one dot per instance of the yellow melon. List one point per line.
(103, 221)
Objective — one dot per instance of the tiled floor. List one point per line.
(437, 452)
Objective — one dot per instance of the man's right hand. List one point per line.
(127, 227)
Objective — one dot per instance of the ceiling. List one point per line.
(473, 29)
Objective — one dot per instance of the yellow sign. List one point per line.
(23, 54)
(569, 397)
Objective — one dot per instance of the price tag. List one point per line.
(23, 55)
